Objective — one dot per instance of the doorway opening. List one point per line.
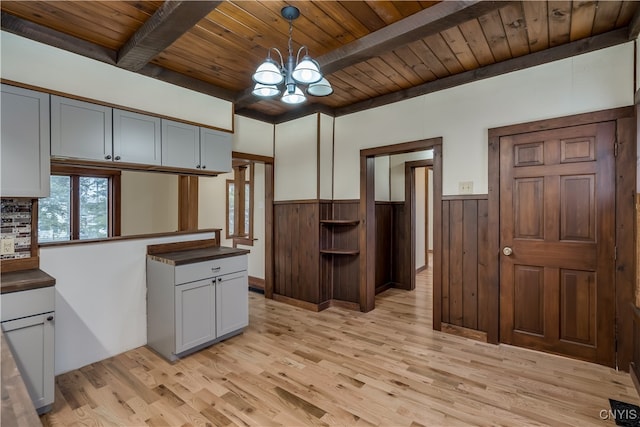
(368, 241)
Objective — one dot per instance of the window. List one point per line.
(240, 205)
(83, 204)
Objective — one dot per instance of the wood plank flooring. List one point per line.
(293, 367)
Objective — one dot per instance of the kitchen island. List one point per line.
(196, 297)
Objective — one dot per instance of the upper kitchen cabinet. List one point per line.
(136, 138)
(215, 150)
(25, 143)
(180, 145)
(191, 147)
(80, 129)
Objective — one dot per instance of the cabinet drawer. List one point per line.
(27, 303)
(203, 270)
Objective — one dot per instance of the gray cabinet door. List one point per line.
(180, 145)
(232, 303)
(24, 147)
(195, 314)
(31, 342)
(215, 150)
(80, 129)
(136, 138)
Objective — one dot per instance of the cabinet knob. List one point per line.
(117, 158)
(197, 166)
(50, 318)
(204, 166)
(108, 157)
(219, 279)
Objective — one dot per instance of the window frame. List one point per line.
(113, 198)
(239, 176)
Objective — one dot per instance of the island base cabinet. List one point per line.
(195, 314)
(192, 306)
(31, 342)
(232, 303)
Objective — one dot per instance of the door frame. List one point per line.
(625, 264)
(367, 214)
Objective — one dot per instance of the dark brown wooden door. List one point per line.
(557, 216)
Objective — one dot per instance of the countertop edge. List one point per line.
(198, 255)
(25, 280)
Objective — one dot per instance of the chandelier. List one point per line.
(273, 79)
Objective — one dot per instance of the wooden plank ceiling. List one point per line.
(372, 52)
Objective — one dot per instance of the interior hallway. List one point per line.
(340, 367)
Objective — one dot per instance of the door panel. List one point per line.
(557, 204)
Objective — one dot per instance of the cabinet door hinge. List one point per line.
(615, 252)
(615, 149)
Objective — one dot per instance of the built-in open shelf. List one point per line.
(340, 251)
(340, 221)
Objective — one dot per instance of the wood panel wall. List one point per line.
(384, 248)
(401, 246)
(465, 284)
(296, 240)
(346, 268)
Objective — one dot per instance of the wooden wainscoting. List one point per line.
(384, 247)
(296, 240)
(465, 288)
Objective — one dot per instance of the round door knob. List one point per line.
(50, 318)
(108, 157)
(507, 251)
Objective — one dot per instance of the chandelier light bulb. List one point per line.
(295, 97)
(265, 91)
(268, 73)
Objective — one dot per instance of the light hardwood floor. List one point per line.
(386, 368)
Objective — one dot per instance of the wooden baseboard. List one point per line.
(633, 371)
(421, 269)
(464, 332)
(384, 287)
(316, 307)
(299, 303)
(345, 304)
(256, 283)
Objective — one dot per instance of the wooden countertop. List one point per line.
(17, 407)
(25, 280)
(190, 256)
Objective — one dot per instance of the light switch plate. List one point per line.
(465, 187)
(8, 246)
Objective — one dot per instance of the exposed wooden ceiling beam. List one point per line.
(39, 33)
(167, 24)
(432, 20)
(429, 21)
(69, 43)
(578, 47)
(634, 25)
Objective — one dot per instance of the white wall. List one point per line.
(101, 305)
(430, 208)
(421, 220)
(326, 157)
(149, 203)
(462, 115)
(396, 171)
(382, 184)
(30, 62)
(296, 164)
(253, 136)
